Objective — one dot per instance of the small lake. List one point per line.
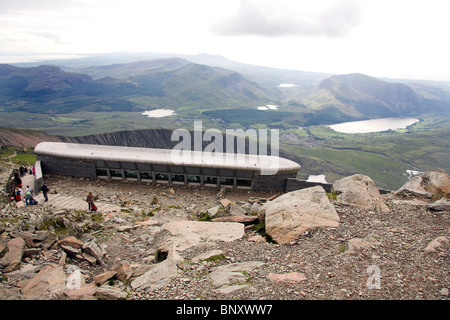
(159, 113)
(320, 178)
(268, 107)
(374, 125)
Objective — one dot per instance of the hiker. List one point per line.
(44, 189)
(17, 180)
(90, 201)
(28, 195)
(18, 194)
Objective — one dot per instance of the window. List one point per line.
(116, 174)
(244, 183)
(194, 179)
(226, 181)
(162, 176)
(131, 175)
(102, 173)
(146, 176)
(210, 180)
(177, 177)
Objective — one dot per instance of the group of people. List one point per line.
(27, 195)
(23, 170)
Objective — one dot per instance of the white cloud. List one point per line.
(275, 18)
(380, 38)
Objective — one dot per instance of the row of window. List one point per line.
(165, 177)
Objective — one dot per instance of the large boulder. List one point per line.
(359, 190)
(11, 260)
(50, 280)
(293, 213)
(436, 183)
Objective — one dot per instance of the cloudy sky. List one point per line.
(393, 38)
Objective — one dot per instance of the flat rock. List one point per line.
(86, 289)
(50, 279)
(236, 210)
(208, 254)
(287, 277)
(439, 205)
(225, 274)
(157, 277)
(356, 245)
(71, 242)
(232, 289)
(188, 233)
(435, 244)
(103, 277)
(106, 292)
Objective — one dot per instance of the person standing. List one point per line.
(90, 201)
(28, 195)
(44, 189)
(18, 194)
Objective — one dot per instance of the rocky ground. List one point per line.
(370, 255)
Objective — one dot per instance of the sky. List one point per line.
(381, 38)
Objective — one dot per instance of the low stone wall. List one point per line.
(39, 177)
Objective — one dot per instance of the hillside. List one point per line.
(209, 92)
(132, 87)
(357, 96)
(23, 138)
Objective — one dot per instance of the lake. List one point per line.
(158, 113)
(268, 107)
(320, 178)
(374, 125)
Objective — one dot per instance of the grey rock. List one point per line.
(359, 190)
(157, 277)
(293, 213)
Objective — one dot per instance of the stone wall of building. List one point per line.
(67, 167)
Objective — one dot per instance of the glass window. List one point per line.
(210, 180)
(146, 176)
(177, 177)
(194, 179)
(226, 181)
(116, 173)
(130, 174)
(102, 173)
(244, 183)
(162, 176)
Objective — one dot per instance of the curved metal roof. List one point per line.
(265, 165)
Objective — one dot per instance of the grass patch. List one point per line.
(260, 228)
(215, 258)
(204, 216)
(24, 159)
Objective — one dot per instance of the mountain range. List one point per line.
(228, 91)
